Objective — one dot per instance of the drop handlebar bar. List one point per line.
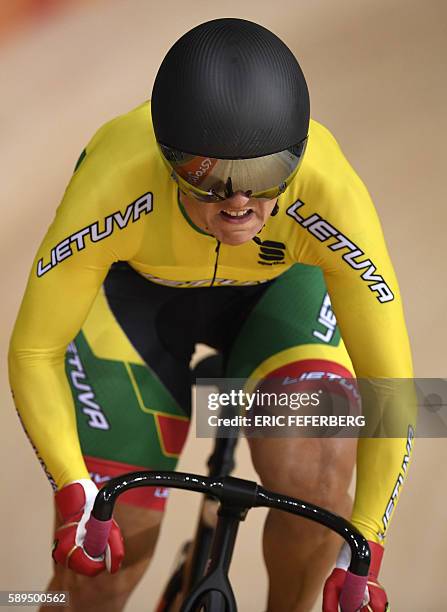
(236, 497)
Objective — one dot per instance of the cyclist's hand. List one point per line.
(74, 503)
(375, 598)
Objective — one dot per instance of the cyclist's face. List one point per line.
(232, 221)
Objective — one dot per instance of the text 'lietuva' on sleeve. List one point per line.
(341, 233)
(94, 226)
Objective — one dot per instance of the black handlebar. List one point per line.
(235, 495)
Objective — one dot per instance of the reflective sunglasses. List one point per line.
(210, 179)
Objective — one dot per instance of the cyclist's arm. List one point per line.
(376, 339)
(66, 275)
(369, 313)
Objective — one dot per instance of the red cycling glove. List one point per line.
(375, 598)
(74, 503)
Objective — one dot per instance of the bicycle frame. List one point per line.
(221, 462)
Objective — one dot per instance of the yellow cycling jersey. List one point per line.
(122, 205)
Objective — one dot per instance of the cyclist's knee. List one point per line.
(103, 592)
(316, 470)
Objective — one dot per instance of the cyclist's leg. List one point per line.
(127, 420)
(299, 554)
(277, 340)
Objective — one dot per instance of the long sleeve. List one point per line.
(339, 231)
(94, 226)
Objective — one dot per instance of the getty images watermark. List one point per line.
(329, 406)
(250, 410)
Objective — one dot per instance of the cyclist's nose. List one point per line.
(239, 199)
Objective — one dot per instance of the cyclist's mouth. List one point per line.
(237, 216)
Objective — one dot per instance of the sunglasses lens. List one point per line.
(210, 179)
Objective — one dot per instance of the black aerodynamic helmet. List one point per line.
(230, 110)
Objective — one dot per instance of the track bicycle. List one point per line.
(208, 588)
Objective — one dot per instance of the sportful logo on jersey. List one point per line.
(324, 231)
(271, 253)
(76, 242)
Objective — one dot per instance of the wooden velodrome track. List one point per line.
(376, 71)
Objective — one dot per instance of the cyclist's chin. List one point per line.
(237, 234)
